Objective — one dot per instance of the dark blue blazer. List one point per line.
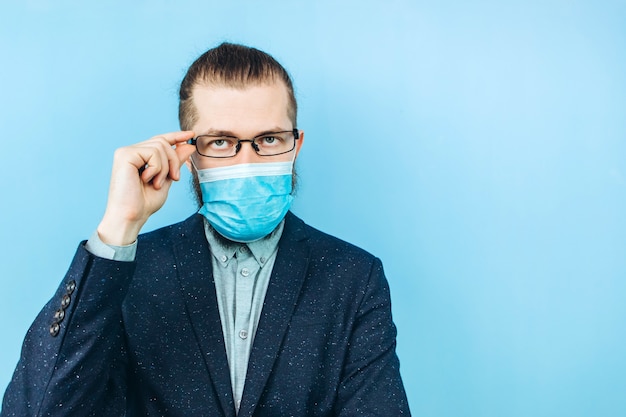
(144, 338)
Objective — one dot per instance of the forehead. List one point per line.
(244, 111)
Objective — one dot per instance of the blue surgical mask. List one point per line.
(246, 202)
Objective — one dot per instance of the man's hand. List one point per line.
(140, 180)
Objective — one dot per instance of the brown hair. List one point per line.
(234, 66)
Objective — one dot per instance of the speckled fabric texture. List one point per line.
(144, 338)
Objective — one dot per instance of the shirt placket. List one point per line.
(247, 269)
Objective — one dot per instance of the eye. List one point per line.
(270, 141)
(220, 143)
(218, 146)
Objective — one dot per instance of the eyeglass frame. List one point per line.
(295, 131)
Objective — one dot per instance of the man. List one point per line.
(242, 309)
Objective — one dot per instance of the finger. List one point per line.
(142, 169)
(136, 158)
(152, 161)
(169, 141)
(176, 156)
(183, 152)
(168, 160)
(174, 138)
(157, 159)
(152, 164)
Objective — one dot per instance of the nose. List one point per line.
(246, 152)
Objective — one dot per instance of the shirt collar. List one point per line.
(224, 250)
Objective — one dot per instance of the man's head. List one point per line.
(237, 91)
(233, 66)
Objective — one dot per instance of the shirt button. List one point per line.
(224, 258)
(243, 334)
(242, 249)
(262, 259)
(245, 272)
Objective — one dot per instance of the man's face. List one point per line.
(242, 113)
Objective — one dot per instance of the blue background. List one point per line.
(478, 148)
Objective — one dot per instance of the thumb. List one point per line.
(183, 152)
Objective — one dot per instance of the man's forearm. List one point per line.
(75, 344)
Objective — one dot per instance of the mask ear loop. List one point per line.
(198, 172)
(193, 163)
(293, 160)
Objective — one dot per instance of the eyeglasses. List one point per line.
(267, 144)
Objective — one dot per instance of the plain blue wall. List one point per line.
(478, 148)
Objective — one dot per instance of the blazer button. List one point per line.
(59, 315)
(65, 301)
(70, 287)
(54, 329)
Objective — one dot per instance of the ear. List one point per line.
(299, 142)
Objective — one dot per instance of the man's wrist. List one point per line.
(97, 247)
(117, 233)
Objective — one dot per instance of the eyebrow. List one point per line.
(217, 132)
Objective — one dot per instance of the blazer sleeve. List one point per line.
(370, 383)
(73, 357)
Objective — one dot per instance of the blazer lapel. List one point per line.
(280, 300)
(196, 279)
